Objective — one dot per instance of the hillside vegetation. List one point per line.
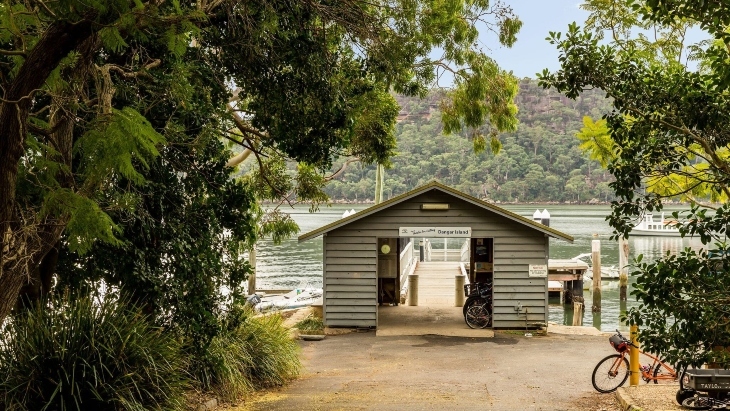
(539, 162)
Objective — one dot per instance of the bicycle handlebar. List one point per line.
(628, 341)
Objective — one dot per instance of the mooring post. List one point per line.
(596, 258)
(252, 276)
(623, 263)
(459, 281)
(413, 289)
(577, 312)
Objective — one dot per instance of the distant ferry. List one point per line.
(648, 227)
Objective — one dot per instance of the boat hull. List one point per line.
(654, 233)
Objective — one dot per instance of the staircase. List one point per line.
(436, 283)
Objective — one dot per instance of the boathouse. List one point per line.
(363, 255)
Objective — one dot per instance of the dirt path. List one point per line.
(359, 371)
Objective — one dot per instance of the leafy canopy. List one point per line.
(669, 127)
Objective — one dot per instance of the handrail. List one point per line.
(464, 255)
(406, 259)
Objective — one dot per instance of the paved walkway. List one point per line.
(358, 371)
(437, 320)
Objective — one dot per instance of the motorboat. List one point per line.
(648, 226)
(607, 272)
(300, 297)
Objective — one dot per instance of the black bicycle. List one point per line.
(478, 306)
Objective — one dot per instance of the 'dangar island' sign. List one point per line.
(440, 232)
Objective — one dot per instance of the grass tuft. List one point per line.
(80, 354)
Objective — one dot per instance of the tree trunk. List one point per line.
(58, 40)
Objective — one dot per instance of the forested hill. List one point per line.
(539, 162)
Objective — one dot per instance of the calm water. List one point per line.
(292, 264)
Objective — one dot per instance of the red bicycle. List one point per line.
(613, 371)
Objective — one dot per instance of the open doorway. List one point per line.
(482, 260)
(388, 271)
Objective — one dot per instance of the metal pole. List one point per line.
(634, 357)
(446, 248)
(421, 251)
(596, 250)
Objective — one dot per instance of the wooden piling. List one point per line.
(252, 276)
(623, 262)
(596, 258)
(577, 312)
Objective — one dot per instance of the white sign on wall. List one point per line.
(435, 232)
(538, 270)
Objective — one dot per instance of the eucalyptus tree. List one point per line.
(98, 96)
(669, 130)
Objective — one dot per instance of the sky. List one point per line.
(532, 53)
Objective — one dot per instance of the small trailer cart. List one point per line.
(705, 390)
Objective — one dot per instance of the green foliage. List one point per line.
(253, 352)
(596, 140)
(668, 128)
(86, 220)
(115, 145)
(83, 354)
(683, 314)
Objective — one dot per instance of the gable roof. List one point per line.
(448, 190)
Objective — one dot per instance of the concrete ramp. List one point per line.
(404, 320)
(435, 313)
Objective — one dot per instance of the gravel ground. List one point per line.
(651, 397)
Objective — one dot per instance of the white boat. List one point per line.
(650, 227)
(607, 272)
(301, 297)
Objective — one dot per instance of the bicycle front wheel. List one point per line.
(611, 373)
(701, 402)
(471, 301)
(478, 316)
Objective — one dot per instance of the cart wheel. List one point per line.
(683, 395)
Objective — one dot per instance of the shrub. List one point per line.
(80, 354)
(311, 325)
(253, 352)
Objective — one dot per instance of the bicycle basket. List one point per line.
(618, 343)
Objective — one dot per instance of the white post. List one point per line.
(446, 249)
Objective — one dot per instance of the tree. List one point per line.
(670, 128)
(82, 80)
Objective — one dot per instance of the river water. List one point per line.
(291, 264)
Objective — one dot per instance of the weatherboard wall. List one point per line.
(350, 260)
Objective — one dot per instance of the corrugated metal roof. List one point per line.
(448, 190)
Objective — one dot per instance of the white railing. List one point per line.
(406, 259)
(408, 263)
(464, 254)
